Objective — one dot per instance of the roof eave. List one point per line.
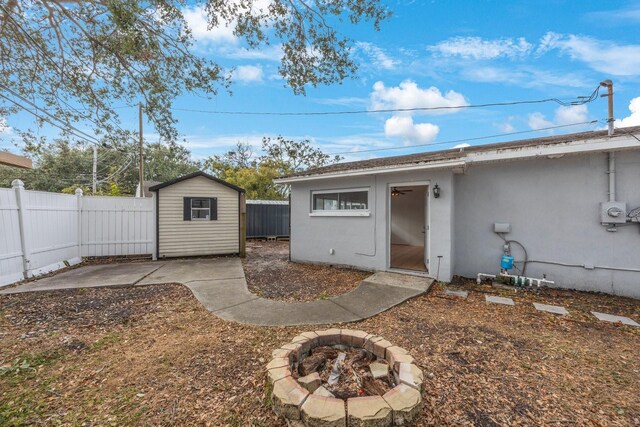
(603, 144)
(194, 175)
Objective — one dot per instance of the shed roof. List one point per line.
(194, 175)
(460, 153)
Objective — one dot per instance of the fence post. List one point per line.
(18, 187)
(154, 216)
(243, 225)
(78, 193)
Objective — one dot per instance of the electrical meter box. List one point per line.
(613, 212)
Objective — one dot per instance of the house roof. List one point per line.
(8, 159)
(450, 156)
(194, 175)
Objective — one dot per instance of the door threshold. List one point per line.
(409, 272)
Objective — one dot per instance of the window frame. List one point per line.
(340, 212)
(191, 208)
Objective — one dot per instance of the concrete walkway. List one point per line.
(219, 284)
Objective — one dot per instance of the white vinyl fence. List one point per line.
(42, 232)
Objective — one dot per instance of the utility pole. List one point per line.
(609, 85)
(95, 169)
(140, 159)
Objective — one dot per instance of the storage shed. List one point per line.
(199, 214)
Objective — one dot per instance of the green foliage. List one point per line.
(94, 54)
(61, 166)
(28, 364)
(279, 157)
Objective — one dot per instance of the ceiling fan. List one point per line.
(396, 192)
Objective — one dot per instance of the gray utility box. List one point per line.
(613, 212)
(501, 227)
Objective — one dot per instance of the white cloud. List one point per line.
(270, 53)
(525, 77)
(409, 95)
(566, 115)
(379, 57)
(478, 48)
(221, 39)
(616, 16)
(402, 126)
(634, 118)
(197, 20)
(603, 56)
(463, 145)
(507, 125)
(5, 129)
(563, 115)
(248, 73)
(537, 121)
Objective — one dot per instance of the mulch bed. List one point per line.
(154, 356)
(270, 275)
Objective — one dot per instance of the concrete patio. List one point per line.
(219, 284)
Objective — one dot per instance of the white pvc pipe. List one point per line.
(532, 280)
(486, 276)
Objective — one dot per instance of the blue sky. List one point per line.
(430, 53)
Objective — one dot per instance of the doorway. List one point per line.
(408, 227)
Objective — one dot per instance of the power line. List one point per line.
(580, 100)
(67, 129)
(466, 139)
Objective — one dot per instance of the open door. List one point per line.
(426, 228)
(408, 228)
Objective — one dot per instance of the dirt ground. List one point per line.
(270, 275)
(154, 356)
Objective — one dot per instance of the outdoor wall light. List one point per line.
(436, 191)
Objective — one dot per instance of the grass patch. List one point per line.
(106, 340)
(25, 400)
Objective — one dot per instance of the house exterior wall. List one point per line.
(552, 205)
(553, 208)
(363, 242)
(189, 238)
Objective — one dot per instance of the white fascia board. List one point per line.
(594, 146)
(386, 169)
(617, 143)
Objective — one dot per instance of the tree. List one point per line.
(289, 156)
(279, 157)
(77, 58)
(63, 166)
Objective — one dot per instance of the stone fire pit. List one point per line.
(304, 400)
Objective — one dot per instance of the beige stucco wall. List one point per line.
(186, 238)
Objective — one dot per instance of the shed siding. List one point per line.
(187, 238)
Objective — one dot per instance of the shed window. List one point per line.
(200, 209)
(345, 202)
